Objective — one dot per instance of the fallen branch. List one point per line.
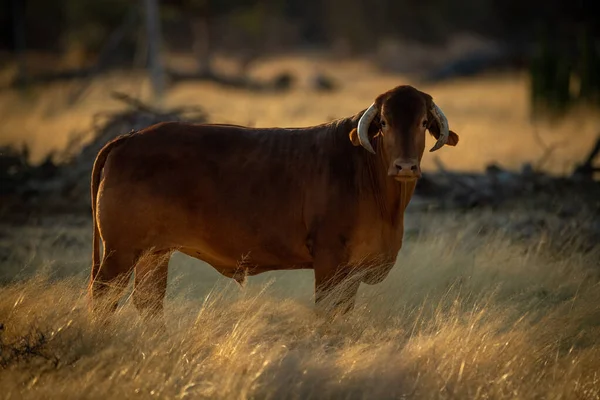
(50, 77)
(547, 150)
(65, 187)
(586, 170)
(282, 82)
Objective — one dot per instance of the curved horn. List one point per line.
(363, 127)
(444, 128)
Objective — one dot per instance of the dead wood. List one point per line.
(548, 150)
(586, 170)
(65, 187)
(281, 82)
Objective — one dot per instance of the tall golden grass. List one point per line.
(463, 315)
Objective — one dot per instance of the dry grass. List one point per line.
(463, 315)
(490, 114)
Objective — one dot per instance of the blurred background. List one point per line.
(518, 80)
(499, 272)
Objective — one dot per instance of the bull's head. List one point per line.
(401, 117)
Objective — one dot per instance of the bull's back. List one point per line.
(223, 192)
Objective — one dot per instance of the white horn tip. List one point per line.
(437, 146)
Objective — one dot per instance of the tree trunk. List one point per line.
(201, 43)
(18, 9)
(155, 64)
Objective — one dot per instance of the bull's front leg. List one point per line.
(336, 285)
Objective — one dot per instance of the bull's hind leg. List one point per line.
(110, 279)
(150, 284)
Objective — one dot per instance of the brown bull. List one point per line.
(329, 198)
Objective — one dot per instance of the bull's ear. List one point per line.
(374, 131)
(452, 139)
(354, 137)
(434, 129)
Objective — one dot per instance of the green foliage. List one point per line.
(89, 22)
(589, 69)
(251, 20)
(564, 72)
(214, 7)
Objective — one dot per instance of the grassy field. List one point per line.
(468, 312)
(463, 315)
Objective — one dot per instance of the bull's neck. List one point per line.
(389, 196)
(392, 197)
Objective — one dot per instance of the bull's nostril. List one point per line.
(406, 168)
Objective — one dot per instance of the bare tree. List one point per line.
(200, 24)
(153, 34)
(18, 9)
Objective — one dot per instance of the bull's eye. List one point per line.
(382, 122)
(425, 124)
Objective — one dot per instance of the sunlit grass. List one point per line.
(466, 313)
(462, 315)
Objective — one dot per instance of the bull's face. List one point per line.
(401, 117)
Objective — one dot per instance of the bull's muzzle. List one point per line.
(405, 170)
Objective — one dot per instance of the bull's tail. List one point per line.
(95, 183)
